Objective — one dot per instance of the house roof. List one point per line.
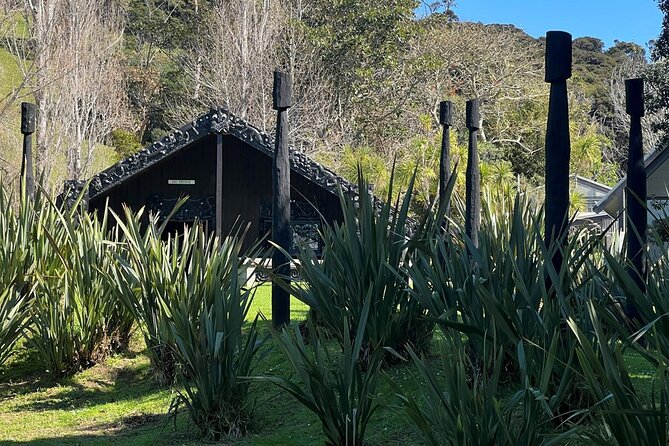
(588, 182)
(218, 120)
(613, 201)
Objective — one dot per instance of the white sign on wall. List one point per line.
(181, 182)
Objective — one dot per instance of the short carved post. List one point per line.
(473, 179)
(281, 232)
(28, 112)
(558, 146)
(635, 191)
(446, 121)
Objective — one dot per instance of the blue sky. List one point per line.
(630, 20)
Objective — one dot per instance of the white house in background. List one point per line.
(592, 192)
(657, 181)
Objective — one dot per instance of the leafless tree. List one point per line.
(232, 62)
(69, 58)
(497, 63)
(630, 68)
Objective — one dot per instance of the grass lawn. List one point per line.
(118, 402)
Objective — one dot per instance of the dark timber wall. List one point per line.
(247, 183)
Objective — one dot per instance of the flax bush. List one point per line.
(15, 271)
(458, 407)
(621, 415)
(507, 291)
(337, 384)
(206, 313)
(190, 298)
(363, 260)
(75, 320)
(149, 270)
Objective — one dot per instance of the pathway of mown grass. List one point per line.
(117, 402)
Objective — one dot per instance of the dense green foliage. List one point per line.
(362, 262)
(375, 73)
(339, 386)
(517, 339)
(74, 323)
(206, 316)
(15, 265)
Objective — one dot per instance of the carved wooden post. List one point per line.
(558, 146)
(281, 233)
(635, 191)
(473, 180)
(28, 112)
(446, 120)
(219, 185)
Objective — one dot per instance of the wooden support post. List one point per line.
(219, 185)
(281, 232)
(446, 120)
(28, 112)
(473, 178)
(558, 145)
(635, 191)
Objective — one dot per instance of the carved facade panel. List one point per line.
(203, 209)
(305, 225)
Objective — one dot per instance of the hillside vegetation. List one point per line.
(368, 79)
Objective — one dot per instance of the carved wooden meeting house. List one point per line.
(224, 166)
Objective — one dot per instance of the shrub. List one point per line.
(15, 269)
(125, 143)
(206, 312)
(505, 290)
(73, 317)
(622, 416)
(458, 408)
(338, 385)
(652, 305)
(149, 269)
(362, 261)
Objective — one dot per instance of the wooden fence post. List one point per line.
(281, 232)
(635, 191)
(446, 121)
(473, 179)
(28, 112)
(558, 146)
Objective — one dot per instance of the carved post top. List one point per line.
(634, 97)
(473, 114)
(283, 90)
(558, 56)
(28, 113)
(446, 113)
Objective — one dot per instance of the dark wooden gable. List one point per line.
(184, 164)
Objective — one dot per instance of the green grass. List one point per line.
(117, 402)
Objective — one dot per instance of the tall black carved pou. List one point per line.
(635, 191)
(281, 234)
(446, 121)
(473, 178)
(558, 146)
(28, 112)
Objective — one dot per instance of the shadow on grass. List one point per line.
(23, 374)
(135, 429)
(126, 383)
